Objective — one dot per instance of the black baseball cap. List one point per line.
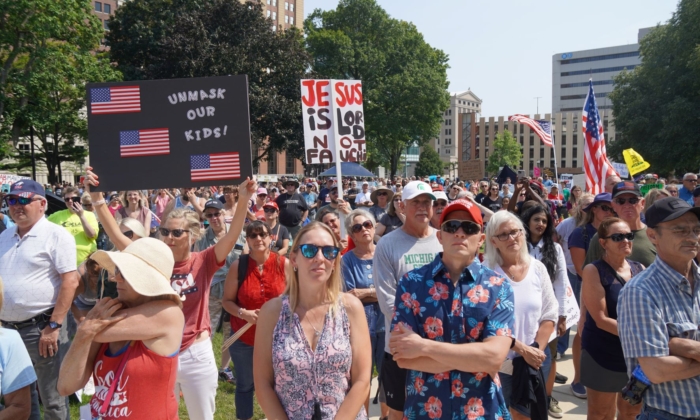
(626, 187)
(667, 209)
(213, 204)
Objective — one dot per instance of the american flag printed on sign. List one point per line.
(215, 166)
(595, 158)
(542, 128)
(115, 100)
(150, 142)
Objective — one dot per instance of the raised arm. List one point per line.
(108, 222)
(226, 244)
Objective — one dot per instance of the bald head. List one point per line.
(610, 183)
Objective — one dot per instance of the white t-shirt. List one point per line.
(534, 303)
(564, 230)
(31, 268)
(362, 197)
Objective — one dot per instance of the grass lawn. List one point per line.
(225, 409)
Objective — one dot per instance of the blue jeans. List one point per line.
(650, 413)
(242, 357)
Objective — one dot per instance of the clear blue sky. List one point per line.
(502, 49)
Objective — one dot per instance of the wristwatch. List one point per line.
(55, 325)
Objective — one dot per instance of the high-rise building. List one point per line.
(572, 70)
(447, 143)
(284, 13)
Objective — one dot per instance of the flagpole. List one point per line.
(338, 172)
(554, 145)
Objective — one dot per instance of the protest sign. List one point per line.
(621, 169)
(536, 172)
(648, 187)
(169, 133)
(10, 179)
(334, 122)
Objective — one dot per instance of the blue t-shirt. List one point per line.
(577, 240)
(357, 274)
(16, 370)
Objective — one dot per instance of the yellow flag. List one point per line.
(635, 162)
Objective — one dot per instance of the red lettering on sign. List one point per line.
(311, 99)
(348, 94)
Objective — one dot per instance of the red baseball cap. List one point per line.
(465, 205)
(271, 204)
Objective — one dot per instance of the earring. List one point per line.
(295, 269)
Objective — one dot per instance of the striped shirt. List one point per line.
(656, 305)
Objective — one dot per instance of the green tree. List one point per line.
(506, 151)
(657, 105)
(404, 79)
(429, 163)
(163, 39)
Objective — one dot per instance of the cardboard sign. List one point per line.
(10, 179)
(333, 118)
(648, 187)
(169, 133)
(621, 169)
(536, 172)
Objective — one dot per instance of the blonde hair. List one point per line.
(334, 285)
(492, 256)
(135, 226)
(125, 202)
(653, 195)
(392, 208)
(191, 220)
(581, 217)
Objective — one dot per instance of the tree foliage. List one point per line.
(657, 105)
(163, 39)
(429, 163)
(404, 79)
(506, 151)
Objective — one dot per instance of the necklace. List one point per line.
(510, 273)
(317, 333)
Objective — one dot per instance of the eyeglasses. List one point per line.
(682, 230)
(673, 191)
(23, 201)
(623, 201)
(210, 215)
(468, 227)
(75, 199)
(619, 237)
(129, 234)
(438, 203)
(382, 194)
(262, 235)
(515, 233)
(310, 250)
(494, 189)
(396, 200)
(605, 207)
(691, 180)
(176, 232)
(367, 224)
(269, 210)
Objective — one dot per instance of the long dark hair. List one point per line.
(549, 250)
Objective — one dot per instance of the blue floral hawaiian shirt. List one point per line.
(480, 306)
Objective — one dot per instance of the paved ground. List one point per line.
(574, 408)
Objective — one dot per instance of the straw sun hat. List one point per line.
(146, 264)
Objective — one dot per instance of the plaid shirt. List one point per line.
(656, 305)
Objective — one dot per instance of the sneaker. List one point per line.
(227, 376)
(559, 356)
(554, 410)
(579, 390)
(560, 379)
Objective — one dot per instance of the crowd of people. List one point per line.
(461, 295)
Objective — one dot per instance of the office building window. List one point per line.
(563, 153)
(274, 2)
(105, 24)
(574, 163)
(600, 58)
(450, 112)
(291, 20)
(583, 96)
(286, 5)
(274, 15)
(603, 70)
(108, 8)
(582, 84)
(286, 19)
(532, 141)
(575, 154)
(291, 7)
(274, 28)
(552, 164)
(98, 6)
(272, 163)
(476, 154)
(447, 151)
(290, 164)
(269, 13)
(438, 141)
(541, 153)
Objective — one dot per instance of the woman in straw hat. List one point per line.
(130, 344)
(312, 355)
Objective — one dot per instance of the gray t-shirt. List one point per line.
(396, 254)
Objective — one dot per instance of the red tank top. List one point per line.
(145, 389)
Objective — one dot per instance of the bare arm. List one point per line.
(66, 294)
(109, 223)
(147, 221)
(379, 231)
(669, 368)
(684, 347)
(593, 294)
(18, 404)
(263, 374)
(168, 208)
(231, 294)
(578, 257)
(90, 231)
(224, 246)
(284, 248)
(360, 372)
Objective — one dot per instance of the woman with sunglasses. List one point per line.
(453, 192)
(536, 308)
(312, 353)
(380, 198)
(357, 267)
(243, 297)
(603, 367)
(392, 220)
(130, 344)
(330, 218)
(493, 201)
(136, 208)
(279, 235)
(191, 279)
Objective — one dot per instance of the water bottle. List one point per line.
(635, 388)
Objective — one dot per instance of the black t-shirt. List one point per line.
(323, 194)
(391, 222)
(493, 205)
(278, 234)
(480, 198)
(292, 207)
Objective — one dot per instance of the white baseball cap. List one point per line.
(415, 188)
(440, 195)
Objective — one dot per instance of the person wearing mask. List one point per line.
(133, 340)
(356, 266)
(393, 219)
(492, 200)
(404, 249)
(380, 198)
(136, 208)
(539, 228)
(82, 225)
(264, 279)
(292, 208)
(454, 380)
(279, 235)
(657, 313)
(603, 368)
(685, 192)
(439, 205)
(536, 309)
(312, 352)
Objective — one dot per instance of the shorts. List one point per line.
(598, 378)
(393, 380)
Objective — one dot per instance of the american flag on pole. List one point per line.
(595, 158)
(542, 128)
(151, 142)
(213, 190)
(215, 166)
(115, 100)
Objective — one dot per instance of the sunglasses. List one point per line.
(494, 189)
(75, 199)
(23, 201)
(210, 215)
(262, 195)
(623, 201)
(605, 207)
(129, 234)
(254, 236)
(176, 232)
(269, 210)
(619, 237)
(310, 250)
(396, 200)
(438, 203)
(382, 194)
(364, 225)
(468, 227)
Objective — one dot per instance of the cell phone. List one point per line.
(82, 179)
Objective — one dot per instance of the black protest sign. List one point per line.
(169, 133)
